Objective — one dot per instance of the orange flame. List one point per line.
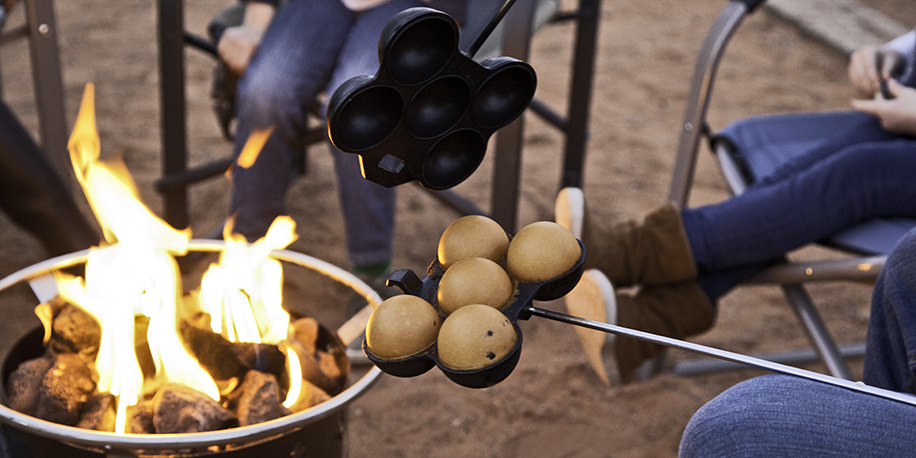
(244, 292)
(252, 148)
(136, 273)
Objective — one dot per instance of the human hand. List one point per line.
(869, 66)
(237, 45)
(897, 115)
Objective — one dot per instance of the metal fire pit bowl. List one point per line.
(286, 436)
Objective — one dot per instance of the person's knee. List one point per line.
(735, 422)
(265, 98)
(903, 256)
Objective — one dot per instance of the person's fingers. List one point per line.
(866, 106)
(863, 71)
(894, 87)
(892, 62)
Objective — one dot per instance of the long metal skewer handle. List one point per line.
(485, 33)
(721, 354)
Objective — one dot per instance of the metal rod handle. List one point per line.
(722, 354)
(485, 33)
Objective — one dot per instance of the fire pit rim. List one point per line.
(246, 434)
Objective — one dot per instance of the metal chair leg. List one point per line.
(49, 92)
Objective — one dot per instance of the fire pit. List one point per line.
(316, 431)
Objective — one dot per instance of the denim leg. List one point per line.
(368, 208)
(849, 187)
(890, 357)
(777, 415)
(292, 65)
(719, 283)
(816, 135)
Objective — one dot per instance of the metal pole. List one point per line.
(49, 89)
(699, 97)
(172, 106)
(722, 354)
(580, 92)
(507, 163)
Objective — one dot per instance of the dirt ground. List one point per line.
(552, 404)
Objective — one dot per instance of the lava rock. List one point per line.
(140, 418)
(65, 389)
(310, 395)
(180, 409)
(224, 359)
(257, 399)
(24, 384)
(99, 413)
(75, 331)
(322, 364)
(305, 332)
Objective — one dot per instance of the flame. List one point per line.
(243, 293)
(252, 148)
(46, 315)
(294, 368)
(134, 273)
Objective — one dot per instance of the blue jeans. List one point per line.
(850, 177)
(312, 46)
(789, 416)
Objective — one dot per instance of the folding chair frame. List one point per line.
(41, 31)
(790, 276)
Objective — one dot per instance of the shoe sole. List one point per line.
(569, 210)
(593, 299)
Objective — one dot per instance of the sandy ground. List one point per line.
(552, 404)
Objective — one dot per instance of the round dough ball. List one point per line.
(402, 326)
(472, 236)
(542, 251)
(474, 337)
(474, 281)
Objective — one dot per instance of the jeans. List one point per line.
(312, 46)
(850, 177)
(779, 415)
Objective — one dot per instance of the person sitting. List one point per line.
(285, 59)
(779, 415)
(684, 260)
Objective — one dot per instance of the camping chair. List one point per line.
(868, 243)
(524, 17)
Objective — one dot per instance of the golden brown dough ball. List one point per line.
(474, 281)
(474, 337)
(402, 326)
(542, 251)
(472, 236)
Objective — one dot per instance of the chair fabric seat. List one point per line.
(758, 145)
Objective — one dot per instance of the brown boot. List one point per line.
(678, 311)
(653, 252)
